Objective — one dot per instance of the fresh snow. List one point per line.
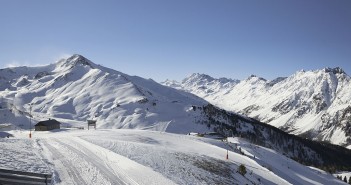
(151, 157)
(159, 151)
(343, 174)
(313, 103)
(74, 90)
(21, 155)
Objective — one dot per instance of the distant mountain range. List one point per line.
(75, 89)
(312, 104)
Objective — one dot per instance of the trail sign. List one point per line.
(92, 123)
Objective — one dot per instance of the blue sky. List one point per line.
(170, 39)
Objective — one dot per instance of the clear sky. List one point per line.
(170, 39)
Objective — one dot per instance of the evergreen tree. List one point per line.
(242, 169)
(345, 179)
(350, 180)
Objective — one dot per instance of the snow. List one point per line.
(343, 174)
(21, 155)
(337, 136)
(306, 102)
(283, 166)
(97, 165)
(74, 90)
(124, 156)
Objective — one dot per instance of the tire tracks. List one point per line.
(72, 172)
(91, 157)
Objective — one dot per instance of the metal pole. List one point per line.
(227, 149)
(227, 154)
(30, 121)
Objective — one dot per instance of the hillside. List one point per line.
(120, 156)
(74, 90)
(312, 104)
(77, 89)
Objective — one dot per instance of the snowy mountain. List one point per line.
(313, 104)
(75, 89)
(202, 85)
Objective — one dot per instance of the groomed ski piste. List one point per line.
(125, 156)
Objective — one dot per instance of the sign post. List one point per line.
(30, 121)
(227, 157)
(92, 123)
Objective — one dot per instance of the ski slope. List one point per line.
(126, 156)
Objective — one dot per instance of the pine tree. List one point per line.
(350, 180)
(345, 179)
(242, 169)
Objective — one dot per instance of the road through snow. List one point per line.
(95, 160)
(149, 158)
(76, 161)
(72, 171)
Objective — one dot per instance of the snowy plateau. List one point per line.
(148, 133)
(312, 104)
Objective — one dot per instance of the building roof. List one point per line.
(48, 122)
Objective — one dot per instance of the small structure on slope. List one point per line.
(47, 125)
(92, 123)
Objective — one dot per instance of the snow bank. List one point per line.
(21, 155)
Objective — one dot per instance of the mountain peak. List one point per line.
(198, 77)
(201, 75)
(78, 56)
(254, 77)
(77, 59)
(336, 70)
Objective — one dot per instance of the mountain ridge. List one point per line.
(74, 90)
(77, 89)
(320, 97)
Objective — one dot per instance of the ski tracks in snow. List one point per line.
(77, 161)
(114, 174)
(72, 171)
(82, 165)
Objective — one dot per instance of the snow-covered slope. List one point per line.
(77, 89)
(74, 90)
(203, 85)
(315, 104)
(120, 156)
